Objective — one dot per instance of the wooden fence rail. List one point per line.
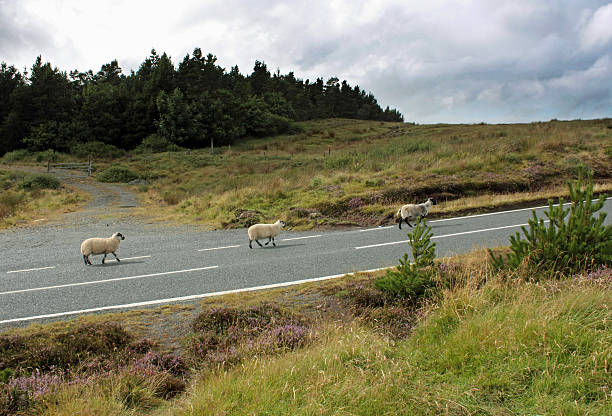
(86, 166)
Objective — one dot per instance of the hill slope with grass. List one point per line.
(357, 172)
(350, 172)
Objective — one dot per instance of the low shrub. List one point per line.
(16, 155)
(574, 240)
(46, 156)
(117, 174)
(40, 181)
(412, 281)
(157, 144)
(97, 149)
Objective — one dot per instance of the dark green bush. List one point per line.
(40, 181)
(98, 149)
(117, 174)
(157, 144)
(46, 156)
(574, 239)
(16, 155)
(412, 281)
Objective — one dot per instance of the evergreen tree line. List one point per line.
(193, 106)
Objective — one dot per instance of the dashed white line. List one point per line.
(301, 238)
(376, 229)
(31, 270)
(443, 236)
(185, 298)
(217, 248)
(131, 258)
(94, 282)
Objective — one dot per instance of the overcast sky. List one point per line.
(435, 61)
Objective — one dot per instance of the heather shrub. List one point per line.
(224, 336)
(62, 349)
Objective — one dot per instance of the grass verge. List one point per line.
(30, 198)
(487, 344)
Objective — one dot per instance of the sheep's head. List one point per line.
(121, 236)
(433, 201)
(281, 222)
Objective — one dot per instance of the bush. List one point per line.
(157, 144)
(412, 281)
(40, 181)
(96, 148)
(46, 156)
(16, 155)
(117, 174)
(573, 241)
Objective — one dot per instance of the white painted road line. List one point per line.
(94, 282)
(130, 258)
(504, 212)
(301, 238)
(376, 229)
(444, 236)
(186, 298)
(31, 270)
(217, 248)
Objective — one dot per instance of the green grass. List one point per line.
(486, 345)
(26, 197)
(480, 352)
(309, 178)
(333, 161)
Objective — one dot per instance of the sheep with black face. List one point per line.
(101, 246)
(411, 212)
(268, 231)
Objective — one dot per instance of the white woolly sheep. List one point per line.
(269, 231)
(101, 246)
(413, 211)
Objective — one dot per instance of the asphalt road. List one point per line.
(42, 274)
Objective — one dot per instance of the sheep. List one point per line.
(413, 211)
(101, 246)
(270, 231)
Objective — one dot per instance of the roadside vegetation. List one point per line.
(338, 172)
(475, 334)
(27, 197)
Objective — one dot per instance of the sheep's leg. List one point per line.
(116, 257)
(103, 258)
(250, 241)
(269, 239)
(400, 222)
(257, 241)
(273, 243)
(85, 259)
(408, 223)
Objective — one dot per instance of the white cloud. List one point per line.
(598, 31)
(434, 61)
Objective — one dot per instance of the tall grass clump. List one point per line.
(574, 240)
(412, 280)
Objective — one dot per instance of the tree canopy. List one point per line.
(194, 105)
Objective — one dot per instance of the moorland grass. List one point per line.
(26, 197)
(486, 344)
(476, 352)
(310, 177)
